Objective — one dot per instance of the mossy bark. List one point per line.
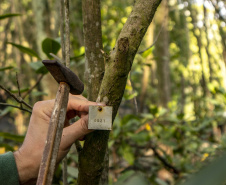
(117, 67)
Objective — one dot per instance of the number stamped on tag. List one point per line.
(100, 117)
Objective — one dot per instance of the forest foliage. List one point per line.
(171, 121)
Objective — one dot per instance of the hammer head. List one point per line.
(62, 74)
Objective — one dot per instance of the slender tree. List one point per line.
(162, 54)
(198, 37)
(117, 68)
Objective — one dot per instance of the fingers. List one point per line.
(78, 96)
(43, 109)
(74, 132)
(80, 104)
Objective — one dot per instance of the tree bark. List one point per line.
(221, 30)
(94, 64)
(199, 43)
(117, 67)
(162, 54)
(207, 44)
(39, 9)
(180, 36)
(146, 70)
(145, 80)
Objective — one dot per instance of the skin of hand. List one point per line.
(28, 157)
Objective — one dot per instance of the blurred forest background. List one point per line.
(172, 119)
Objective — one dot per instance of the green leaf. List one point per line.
(128, 118)
(12, 137)
(77, 57)
(147, 52)
(110, 143)
(72, 171)
(38, 67)
(5, 111)
(160, 181)
(212, 173)
(4, 16)
(6, 68)
(38, 93)
(140, 138)
(25, 50)
(7, 147)
(162, 111)
(21, 90)
(132, 178)
(125, 176)
(50, 46)
(154, 110)
(130, 96)
(74, 157)
(147, 116)
(128, 154)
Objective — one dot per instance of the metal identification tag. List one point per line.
(100, 117)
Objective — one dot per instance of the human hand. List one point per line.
(28, 157)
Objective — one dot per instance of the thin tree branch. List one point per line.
(165, 163)
(57, 58)
(67, 32)
(156, 39)
(76, 57)
(18, 99)
(134, 99)
(10, 105)
(66, 57)
(158, 155)
(62, 29)
(35, 85)
(65, 171)
(18, 86)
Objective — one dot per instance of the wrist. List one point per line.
(26, 168)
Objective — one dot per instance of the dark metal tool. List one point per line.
(68, 82)
(63, 74)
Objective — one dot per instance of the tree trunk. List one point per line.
(162, 54)
(146, 70)
(207, 45)
(94, 70)
(145, 79)
(94, 61)
(180, 36)
(223, 41)
(199, 43)
(39, 10)
(117, 67)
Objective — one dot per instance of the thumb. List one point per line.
(75, 131)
